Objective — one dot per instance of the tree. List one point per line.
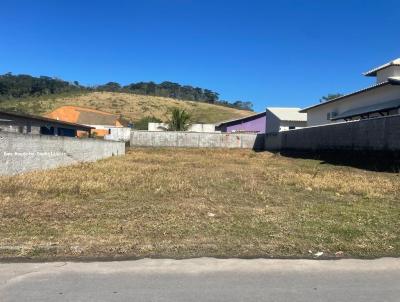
(243, 105)
(330, 96)
(143, 123)
(210, 96)
(18, 86)
(110, 86)
(179, 120)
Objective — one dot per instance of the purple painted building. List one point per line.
(274, 119)
(254, 123)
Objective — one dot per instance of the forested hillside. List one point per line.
(25, 86)
(131, 107)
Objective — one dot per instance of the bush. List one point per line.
(142, 124)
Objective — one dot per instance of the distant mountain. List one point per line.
(26, 86)
(131, 107)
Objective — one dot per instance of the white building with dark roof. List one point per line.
(381, 99)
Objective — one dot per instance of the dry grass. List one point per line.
(132, 107)
(191, 202)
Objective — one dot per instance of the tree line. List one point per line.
(175, 91)
(19, 86)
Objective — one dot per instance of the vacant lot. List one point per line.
(188, 203)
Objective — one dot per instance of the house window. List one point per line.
(331, 115)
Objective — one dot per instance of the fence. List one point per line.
(196, 140)
(378, 134)
(192, 127)
(26, 152)
(119, 134)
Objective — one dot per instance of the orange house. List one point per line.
(100, 120)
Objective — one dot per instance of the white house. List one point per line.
(191, 128)
(381, 99)
(281, 119)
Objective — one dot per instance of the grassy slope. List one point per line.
(130, 106)
(185, 203)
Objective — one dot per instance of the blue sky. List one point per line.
(273, 53)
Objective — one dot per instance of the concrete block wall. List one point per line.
(196, 140)
(191, 128)
(25, 152)
(119, 134)
(378, 134)
(202, 128)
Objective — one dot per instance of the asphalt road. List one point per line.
(203, 279)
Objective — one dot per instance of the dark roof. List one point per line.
(84, 116)
(368, 109)
(391, 81)
(42, 121)
(95, 118)
(242, 120)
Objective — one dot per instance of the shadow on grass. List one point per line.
(372, 161)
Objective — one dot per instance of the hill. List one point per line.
(132, 107)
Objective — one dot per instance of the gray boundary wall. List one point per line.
(378, 134)
(196, 139)
(26, 152)
(119, 134)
